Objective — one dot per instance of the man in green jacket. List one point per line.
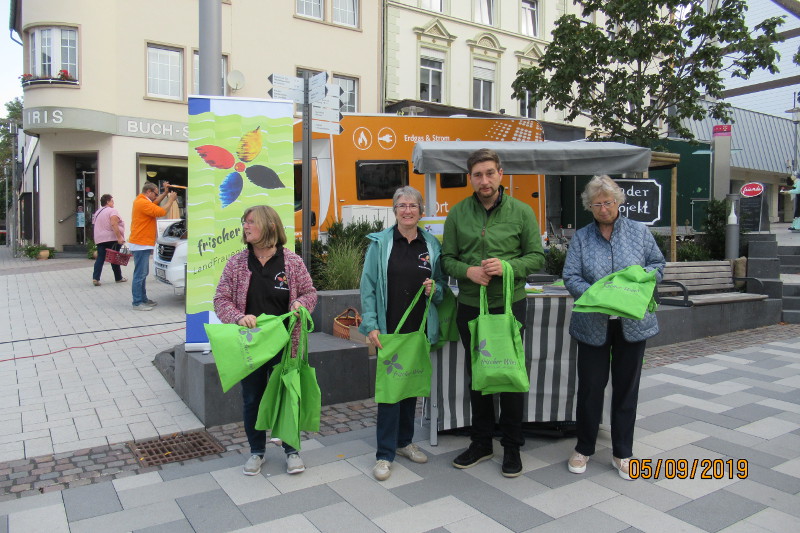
(479, 232)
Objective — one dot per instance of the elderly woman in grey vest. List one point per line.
(608, 344)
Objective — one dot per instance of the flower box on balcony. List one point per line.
(48, 81)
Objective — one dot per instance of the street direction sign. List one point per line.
(334, 89)
(286, 82)
(331, 128)
(330, 102)
(317, 93)
(325, 113)
(283, 93)
(317, 80)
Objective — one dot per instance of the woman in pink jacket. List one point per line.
(109, 234)
(264, 278)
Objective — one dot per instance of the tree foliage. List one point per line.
(14, 114)
(650, 63)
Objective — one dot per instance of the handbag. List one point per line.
(497, 355)
(238, 350)
(292, 399)
(448, 329)
(404, 368)
(628, 293)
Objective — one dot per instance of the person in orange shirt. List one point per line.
(143, 238)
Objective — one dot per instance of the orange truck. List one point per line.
(371, 158)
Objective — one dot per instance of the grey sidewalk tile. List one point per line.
(774, 479)
(786, 446)
(736, 452)
(569, 499)
(718, 419)
(31, 502)
(213, 511)
(130, 519)
(659, 391)
(337, 452)
(90, 500)
(167, 490)
(426, 516)
(557, 475)
(662, 421)
(773, 520)
(339, 438)
(752, 412)
(194, 468)
(3, 524)
(178, 526)
(51, 519)
(584, 520)
(641, 490)
(770, 364)
(341, 518)
(767, 496)
(284, 505)
(371, 499)
(713, 430)
(643, 517)
(716, 511)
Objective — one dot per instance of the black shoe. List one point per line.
(512, 464)
(472, 456)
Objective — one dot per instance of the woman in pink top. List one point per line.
(109, 232)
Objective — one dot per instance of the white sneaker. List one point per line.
(412, 452)
(294, 464)
(577, 463)
(253, 465)
(142, 307)
(622, 466)
(382, 470)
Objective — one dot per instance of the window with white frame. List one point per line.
(310, 8)
(164, 72)
(345, 12)
(527, 107)
(53, 53)
(432, 5)
(431, 75)
(483, 77)
(484, 12)
(196, 75)
(530, 17)
(349, 97)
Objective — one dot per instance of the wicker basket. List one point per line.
(117, 258)
(343, 321)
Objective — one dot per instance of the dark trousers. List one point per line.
(101, 258)
(624, 360)
(512, 404)
(253, 387)
(395, 427)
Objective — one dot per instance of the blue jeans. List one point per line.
(101, 258)
(253, 387)
(395, 427)
(141, 268)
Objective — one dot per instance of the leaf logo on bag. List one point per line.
(392, 364)
(482, 350)
(248, 333)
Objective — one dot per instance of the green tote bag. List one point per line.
(627, 293)
(404, 363)
(498, 357)
(310, 395)
(238, 350)
(448, 329)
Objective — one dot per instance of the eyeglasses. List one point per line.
(412, 207)
(606, 204)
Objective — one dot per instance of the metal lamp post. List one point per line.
(795, 111)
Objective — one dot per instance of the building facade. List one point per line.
(106, 87)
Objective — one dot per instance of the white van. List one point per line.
(170, 255)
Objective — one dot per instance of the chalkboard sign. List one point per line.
(750, 213)
(642, 200)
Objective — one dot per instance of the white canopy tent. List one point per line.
(548, 157)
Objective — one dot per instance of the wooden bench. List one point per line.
(704, 283)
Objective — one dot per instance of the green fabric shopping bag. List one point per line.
(448, 329)
(271, 400)
(238, 350)
(310, 395)
(498, 357)
(627, 293)
(404, 363)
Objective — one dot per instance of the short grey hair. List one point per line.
(409, 192)
(598, 185)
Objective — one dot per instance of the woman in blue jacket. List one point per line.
(399, 260)
(608, 245)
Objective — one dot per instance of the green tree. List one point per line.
(650, 63)
(14, 114)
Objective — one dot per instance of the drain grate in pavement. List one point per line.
(177, 447)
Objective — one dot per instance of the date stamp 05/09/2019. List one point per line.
(688, 468)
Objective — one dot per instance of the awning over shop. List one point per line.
(548, 157)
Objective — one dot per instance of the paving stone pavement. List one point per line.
(729, 397)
